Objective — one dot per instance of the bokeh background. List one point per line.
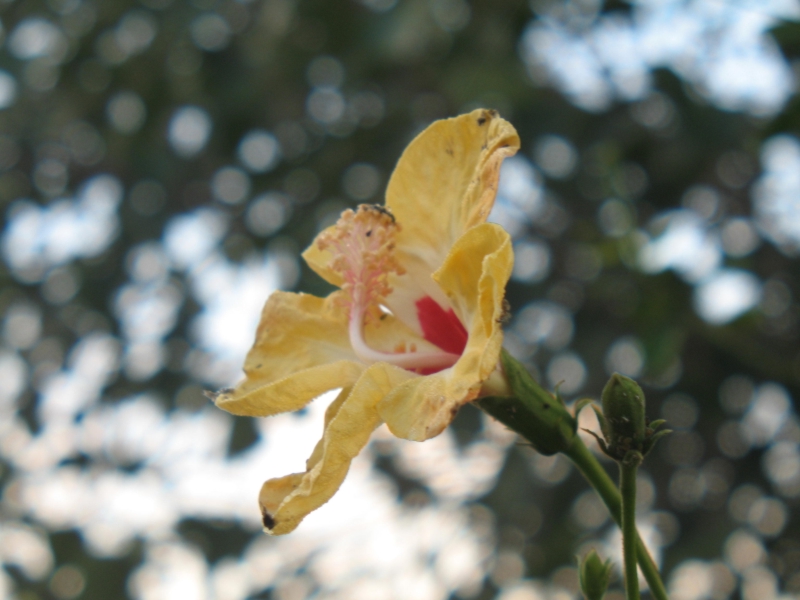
(163, 163)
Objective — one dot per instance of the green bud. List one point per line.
(622, 420)
(594, 576)
(534, 413)
(623, 408)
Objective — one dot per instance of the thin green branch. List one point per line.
(595, 474)
(627, 486)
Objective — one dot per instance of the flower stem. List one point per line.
(594, 473)
(627, 486)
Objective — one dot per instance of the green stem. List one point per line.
(595, 474)
(627, 486)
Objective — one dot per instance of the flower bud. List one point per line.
(594, 576)
(623, 408)
(626, 431)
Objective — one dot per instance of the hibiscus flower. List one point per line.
(414, 330)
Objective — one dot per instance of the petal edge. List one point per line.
(350, 420)
(302, 349)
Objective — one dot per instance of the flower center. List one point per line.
(362, 244)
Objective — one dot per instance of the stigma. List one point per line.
(362, 245)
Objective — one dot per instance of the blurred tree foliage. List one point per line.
(397, 70)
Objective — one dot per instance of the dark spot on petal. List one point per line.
(369, 233)
(267, 519)
(449, 151)
(487, 114)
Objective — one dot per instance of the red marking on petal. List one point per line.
(440, 327)
(428, 371)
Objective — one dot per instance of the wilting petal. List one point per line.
(474, 277)
(444, 183)
(349, 422)
(302, 349)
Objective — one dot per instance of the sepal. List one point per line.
(534, 413)
(594, 575)
(580, 405)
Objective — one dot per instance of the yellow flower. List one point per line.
(414, 330)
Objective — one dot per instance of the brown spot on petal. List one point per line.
(267, 519)
(505, 316)
(486, 115)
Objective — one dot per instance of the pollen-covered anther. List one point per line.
(361, 243)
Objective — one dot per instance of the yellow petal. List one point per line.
(302, 349)
(473, 277)
(349, 422)
(445, 182)
(320, 260)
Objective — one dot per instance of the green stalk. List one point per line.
(627, 486)
(594, 473)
